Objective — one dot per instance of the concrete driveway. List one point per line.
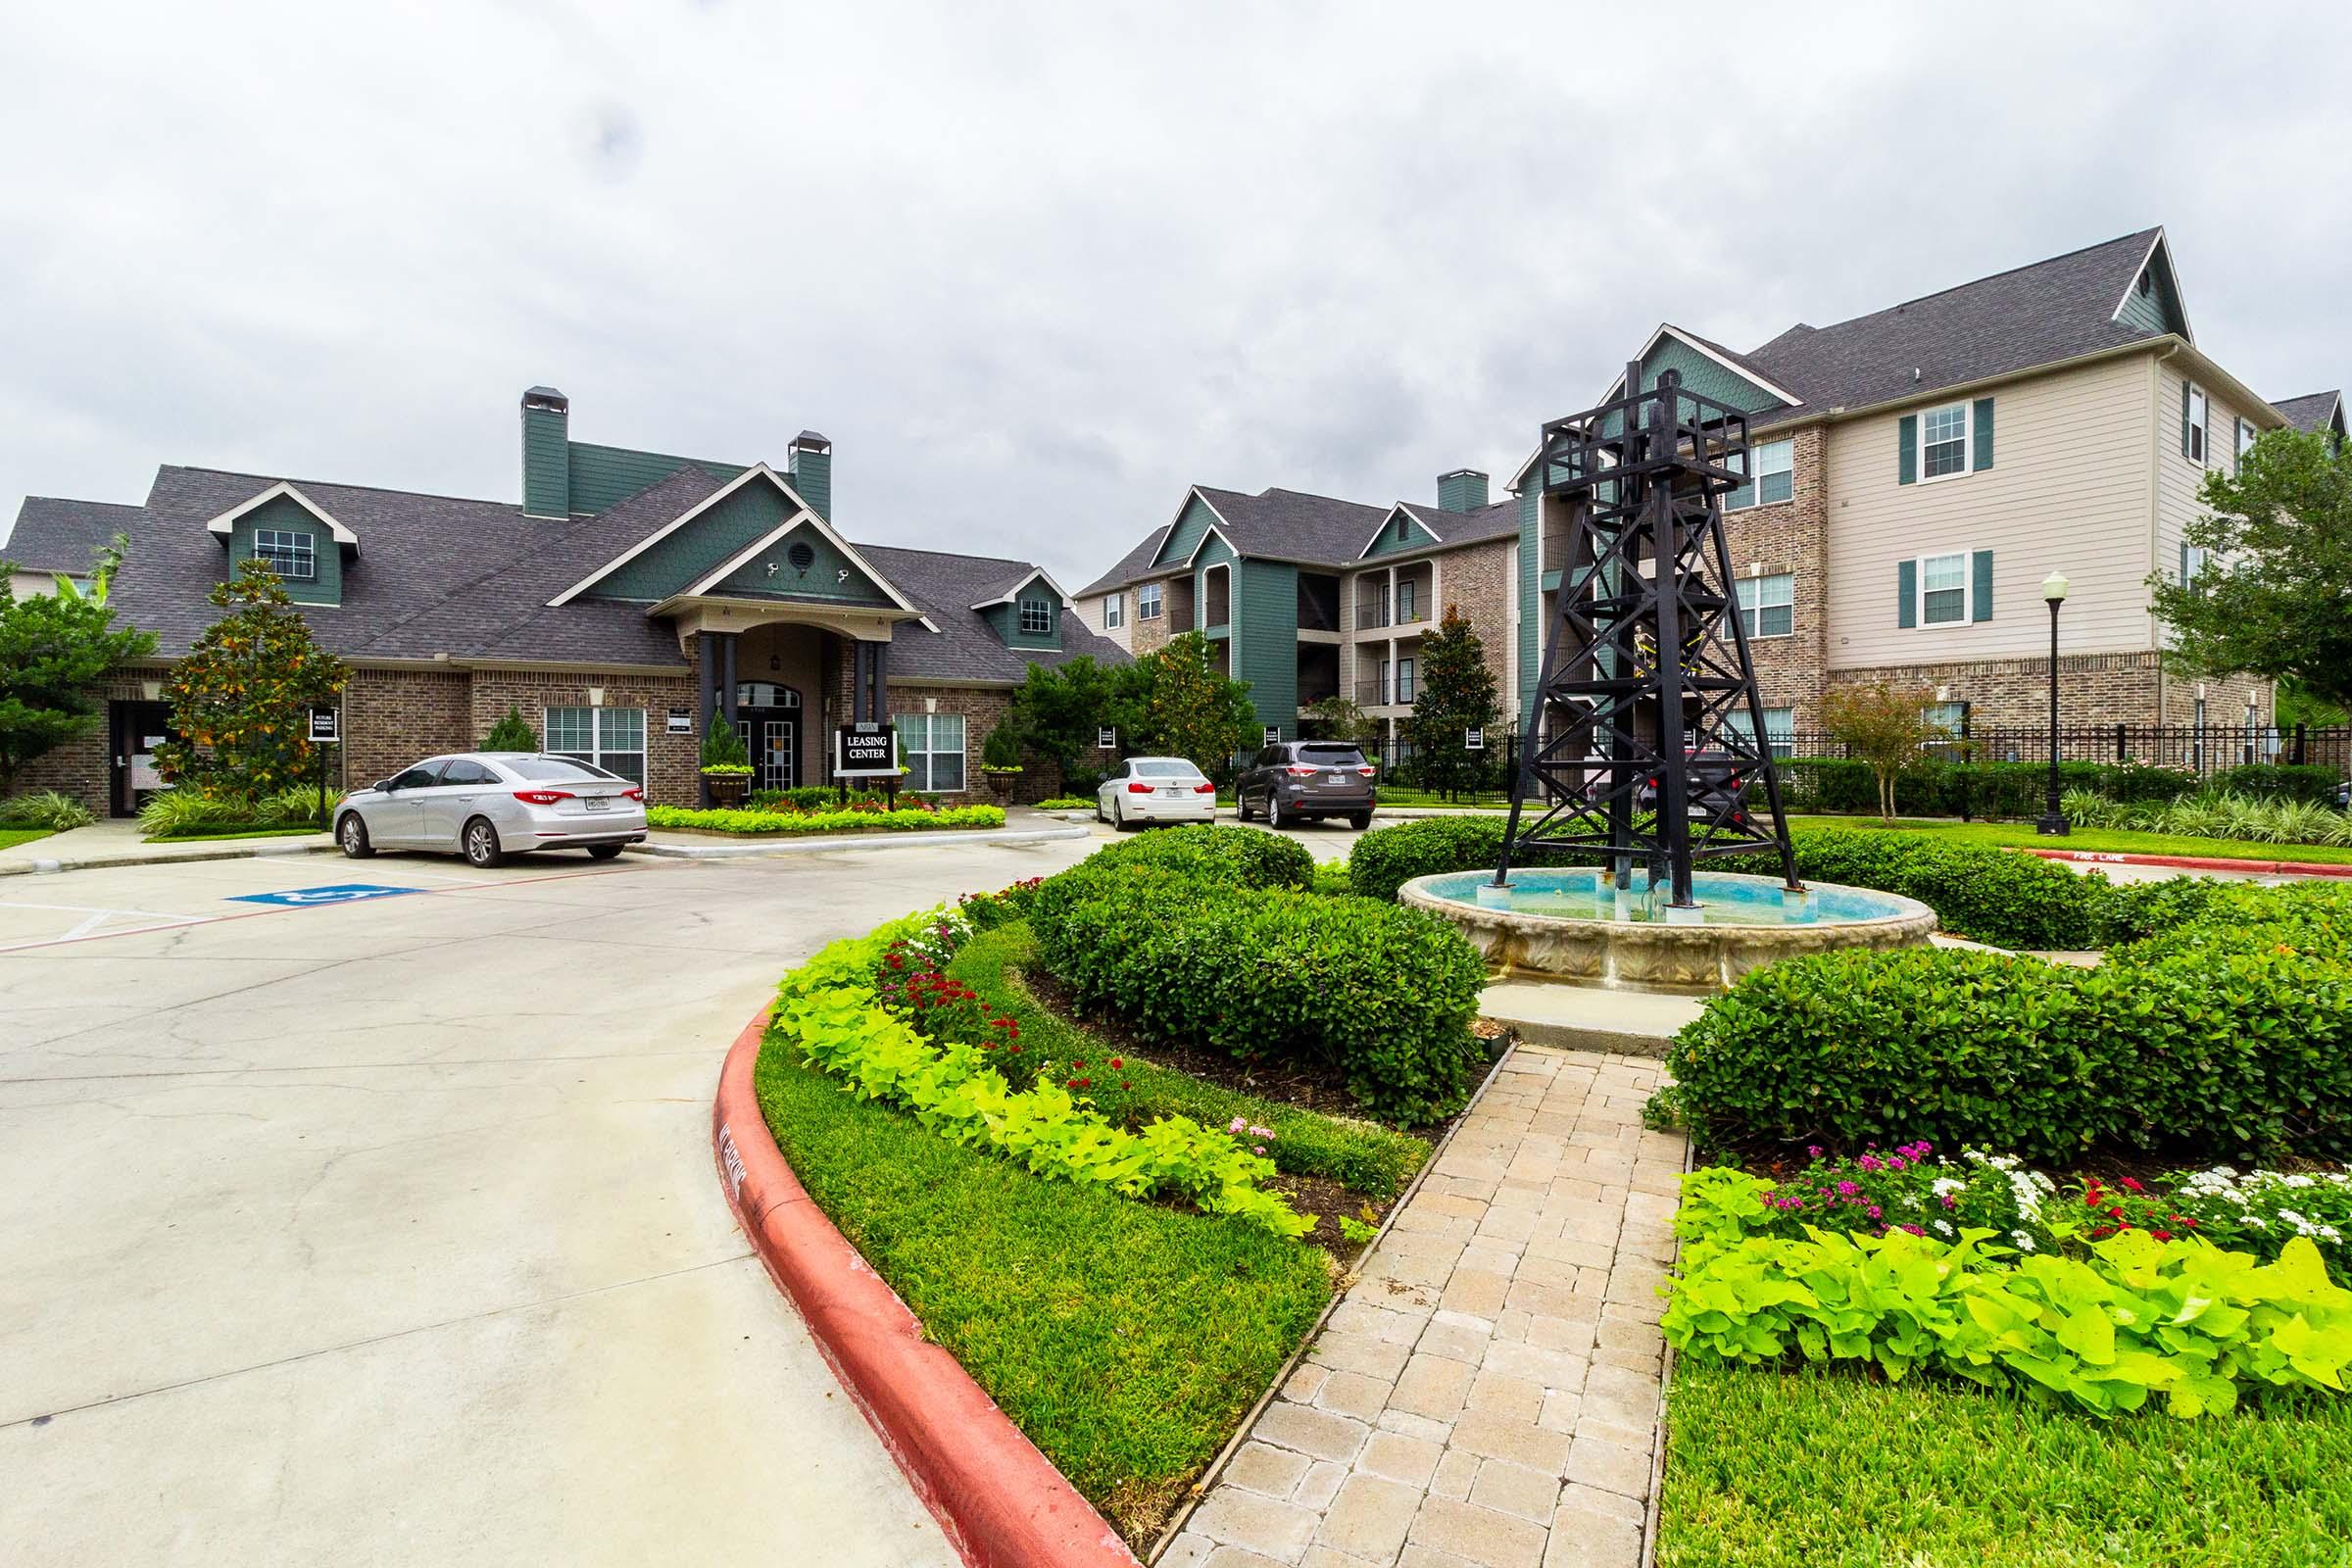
(385, 1231)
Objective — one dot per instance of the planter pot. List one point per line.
(1001, 784)
(727, 789)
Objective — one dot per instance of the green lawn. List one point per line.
(1370, 1158)
(1127, 1340)
(2100, 840)
(21, 835)
(1816, 1469)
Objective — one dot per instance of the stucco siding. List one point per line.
(2069, 489)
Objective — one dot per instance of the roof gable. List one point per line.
(1399, 520)
(725, 522)
(226, 522)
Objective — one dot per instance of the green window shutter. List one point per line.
(2184, 418)
(2184, 578)
(1907, 463)
(1981, 570)
(1983, 441)
(1906, 587)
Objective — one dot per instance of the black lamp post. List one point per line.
(2053, 589)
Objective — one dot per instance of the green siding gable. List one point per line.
(1265, 644)
(831, 579)
(2159, 308)
(602, 477)
(1415, 538)
(1704, 376)
(1192, 526)
(724, 530)
(1005, 621)
(290, 515)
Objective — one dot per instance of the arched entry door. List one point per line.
(768, 715)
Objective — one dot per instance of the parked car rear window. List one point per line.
(1156, 768)
(555, 769)
(1332, 756)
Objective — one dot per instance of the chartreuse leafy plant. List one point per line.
(850, 820)
(2135, 1319)
(830, 1013)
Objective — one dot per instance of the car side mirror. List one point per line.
(382, 784)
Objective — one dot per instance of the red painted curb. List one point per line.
(1002, 1504)
(2196, 862)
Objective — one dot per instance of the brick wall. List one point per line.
(673, 762)
(1792, 536)
(83, 767)
(2094, 689)
(1476, 582)
(393, 717)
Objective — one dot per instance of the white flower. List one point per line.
(1944, 1226)
(2025, 1242)
(2296, 1181)
(1947, 1184)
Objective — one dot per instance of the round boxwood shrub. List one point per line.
(2229, 1034)
(1385, 859)
(1385, 994)
(1240, 856)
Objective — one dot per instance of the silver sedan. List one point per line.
(489, 804)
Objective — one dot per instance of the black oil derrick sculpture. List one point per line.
(1642, 675)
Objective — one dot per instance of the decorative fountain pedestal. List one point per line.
(1575, 926)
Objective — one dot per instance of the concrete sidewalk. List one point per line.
(1488, 1393)
(118, 841)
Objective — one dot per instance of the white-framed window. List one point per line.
(1772, 476)
(931, 746)
(1949, 717)
(1768, 605)
(2193, 564)
(1404, 680)
(1943, 440)
(1942, 589)
(2246, 434)
(609, 738)
(1147, 602)
(1037, 618)
(290, 552)
(1779, 728)
(2197, 413)
(1115, 612)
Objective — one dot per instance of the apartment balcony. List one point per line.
(1371, 615)
(1376, 693)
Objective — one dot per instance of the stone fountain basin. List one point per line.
(1744, 926)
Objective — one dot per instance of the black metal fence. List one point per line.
(2202, 752)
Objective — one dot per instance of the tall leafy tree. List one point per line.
(1176, 702)
(241, 700)
(55, 652)
(1058, 712)
(2274, 596)
(1886, 723)
(1456, 695)
(1336, 718)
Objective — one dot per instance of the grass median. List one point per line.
(2102, 841)
(1125, 1339)
(1823, 1468)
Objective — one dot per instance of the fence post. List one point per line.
(2120, 755)
(2300, 739)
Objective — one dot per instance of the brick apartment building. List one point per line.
(626, 596)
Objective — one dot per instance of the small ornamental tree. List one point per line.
(1336, 718)
(1456, 695)
(1060, 710)
(241, 700)
(2273, 595)
(1175, 703)
(511, 733)
(723, 753)
(55, 653)
(1886, 723)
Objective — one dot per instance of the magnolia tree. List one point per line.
(1175, 701)
(1456, 696)
(241, 700)
(2273, 595)
(1886, 724)
(1059, 711)
(55, 652)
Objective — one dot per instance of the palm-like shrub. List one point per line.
(44, 808)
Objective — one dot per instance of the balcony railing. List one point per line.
(1369, 615)
(1376, 693)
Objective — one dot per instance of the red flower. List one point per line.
(1116, 1064)
(2130, 1186)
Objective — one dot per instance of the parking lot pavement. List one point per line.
(384, 1228)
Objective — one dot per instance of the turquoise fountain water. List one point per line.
(1723, 899)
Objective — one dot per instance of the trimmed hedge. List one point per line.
(2226, 1030)
(1996, 896)
(757, 823)
(2277, 781)
(2021, 789)
(1208, 940)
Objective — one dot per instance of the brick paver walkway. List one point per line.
(1487, 1393)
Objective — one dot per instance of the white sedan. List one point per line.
(1155, 789)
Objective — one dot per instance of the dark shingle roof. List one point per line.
(1499, 520)
(1293, 525)
(965, 648)
(2039, 314)
(2313, 411)
(1132, 565)
(471, 580)
(53, 534)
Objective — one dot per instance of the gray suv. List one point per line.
(1296, 780)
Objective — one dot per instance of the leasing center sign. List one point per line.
(865, 751)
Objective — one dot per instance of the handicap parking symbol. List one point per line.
(339, 893)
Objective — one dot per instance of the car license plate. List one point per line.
(596, 803)
(1335, 778)
(1171, 791)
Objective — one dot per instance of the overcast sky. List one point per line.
(1036, 268)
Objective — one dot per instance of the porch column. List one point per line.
(881, 660)
(729, 693)
(706, 677)
(861, 660)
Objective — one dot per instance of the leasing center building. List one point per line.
(628, 595)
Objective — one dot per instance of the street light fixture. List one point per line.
(2053, 590)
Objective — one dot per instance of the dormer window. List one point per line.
(1037, 618)
(291, 553)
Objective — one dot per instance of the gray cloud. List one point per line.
(1034, 270)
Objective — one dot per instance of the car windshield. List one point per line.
(554, 770)
(1332, 756)
(1165, 767)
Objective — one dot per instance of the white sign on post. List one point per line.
(323, 726)
(1474, 739)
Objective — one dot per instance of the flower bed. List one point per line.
(875, 818)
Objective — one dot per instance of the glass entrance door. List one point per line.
(767, 714)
